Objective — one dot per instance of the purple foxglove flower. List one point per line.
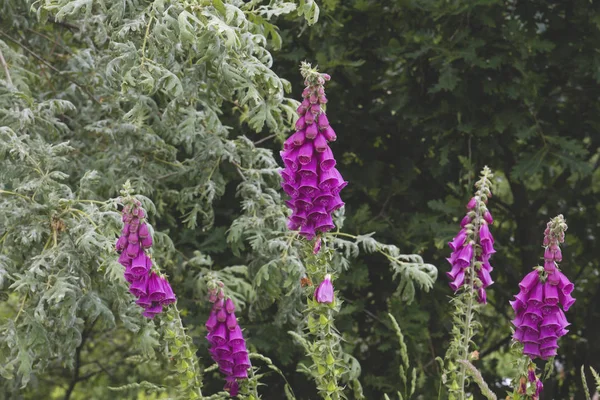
(488, 217)
(317, 246)
(305, 153)
(308, 186)
(539, 386)
(472, 203)
(458, 241)
(465, 255)
(313, 99)
(563, 283)
(218, 336)
(240, 374)
(303, 107)
(329, 179)
(317, 213)
(290, 190)
(125, 230)
(531, 337)
(329, 134)
(323, 121)
(532, 350)
(232, 387)
(529, 281)
(144, 302)
(125, 261)
(239, 347)
(229, 306)
(139, 288)
(133, 238)
(550, 267)
(308, 231)
(465, 221)
(485, 277)
(143, 231)
(299, 138)
(300, 123)
(484, 234)
(221, 315)
(335, 204)
(226, 361)
(324, 292)
(151, 312)
(290, 158)
(459, 280)
(550, 294)
(236, 337)
(481, 296)
(536, 296)
(312, 131)
(121, 244)
(212, 322)
(320, 143)
(309, 170)
(326, 160)
(315, 109)
(565, 300)
(309, 118)
(223, 351)
(156, 290)
(169, 295)
(517, 305)
(139, 264)
(243, 364)
(298, 217)
(132, 250)
(303, 203)
(231, 321)
(324, 199)
(324, 224)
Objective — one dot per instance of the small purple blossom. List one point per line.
(153, 292)
(324, 292)
(539, 319)
(310, 177)
(227, 345)
(474, 244)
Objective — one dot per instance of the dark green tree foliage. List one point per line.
(188, 101)
(430, 92)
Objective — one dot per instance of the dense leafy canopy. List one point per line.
(190, 102)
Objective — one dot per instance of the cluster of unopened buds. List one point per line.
(539, 319)
(310, 177)
(227, 345)
(152, 291)
(466, 252)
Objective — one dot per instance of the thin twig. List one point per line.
(52, 67)
(265, 139)
(5, 66)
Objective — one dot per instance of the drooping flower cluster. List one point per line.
(539, 320)
(474, 244)
(324, 292)
(228, 347)
(310, 177)
(152, 291)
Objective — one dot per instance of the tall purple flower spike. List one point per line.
(152, 291)
(474, 243)
(310, 177)
(227, 345)
(539, 319)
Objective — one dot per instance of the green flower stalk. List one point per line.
(470, 288)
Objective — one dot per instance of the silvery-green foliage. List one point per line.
(93, 93)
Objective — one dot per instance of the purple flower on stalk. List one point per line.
(153, 291)
(539, 320)
(227, 345)
(324, 292)
(474, 244)
(310, 177)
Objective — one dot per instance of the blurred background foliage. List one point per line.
(423, 94)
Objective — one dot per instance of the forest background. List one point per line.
(423, 94)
